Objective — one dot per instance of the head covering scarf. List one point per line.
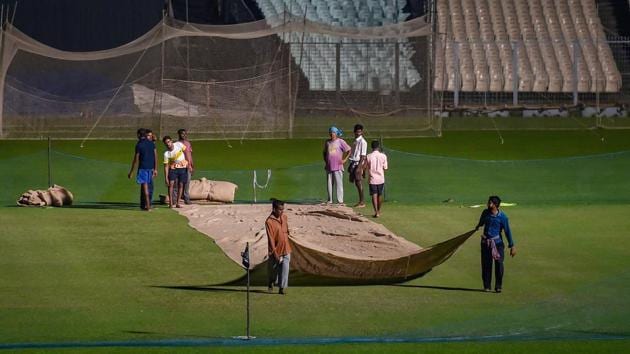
(335, 130)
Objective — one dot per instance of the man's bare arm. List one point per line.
(136, 156)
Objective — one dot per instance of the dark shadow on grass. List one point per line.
(258, 277)
(288, 201)
(106, 205)
(168, 335)
(439, 288)
(602, 334)
(89, 205)
(213, 288)
(208, 288)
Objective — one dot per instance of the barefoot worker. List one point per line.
(183, 138)
(146, 157)
(356, 168)
(377, 164)
(176, 169)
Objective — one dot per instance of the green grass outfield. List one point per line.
(103, 276)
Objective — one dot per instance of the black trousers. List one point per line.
(486, 266)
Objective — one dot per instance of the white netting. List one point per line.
(231, 82)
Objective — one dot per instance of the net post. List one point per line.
(290, 76)
(208, 99)
(162, 64)
(397, 73)
(254, 186)
(292, 95)
(598, 118)
(50, 181)
(431, 53)
(515, 78)
(248, 310)
(338, 72)
(458, 75)
(575, 71)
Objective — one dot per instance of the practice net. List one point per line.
(411, 179)
(281, 77)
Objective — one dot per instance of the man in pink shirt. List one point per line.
(377, 164)
(336, 152)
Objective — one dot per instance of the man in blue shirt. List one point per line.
(153, 138)
(146, 157)
(494, 221)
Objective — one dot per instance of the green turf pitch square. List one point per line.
(102, 271)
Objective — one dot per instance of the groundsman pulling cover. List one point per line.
(331, 244)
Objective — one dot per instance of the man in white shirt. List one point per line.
(356, 169)
(183, 138)
(377, 164)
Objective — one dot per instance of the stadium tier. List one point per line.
(545, 45)
(312, 63)
(319, 62)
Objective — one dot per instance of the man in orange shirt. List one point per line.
(278, 246)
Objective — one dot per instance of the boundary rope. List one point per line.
(172, 343)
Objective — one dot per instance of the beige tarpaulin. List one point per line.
(53, 196)
(331, 245)
(213, 191)
(205, 190)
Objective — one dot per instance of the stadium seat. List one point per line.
(552, 40)
(604, 54)
(488, 46)
(550, 17)
(570, 39)
(586, 45)
(379, 75)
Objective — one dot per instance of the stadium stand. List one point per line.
(480, 44)
(318, 62)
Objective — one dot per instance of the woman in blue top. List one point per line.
(494, 221)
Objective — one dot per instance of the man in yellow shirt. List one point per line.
(176, 169)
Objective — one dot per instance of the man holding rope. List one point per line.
(494, 221)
